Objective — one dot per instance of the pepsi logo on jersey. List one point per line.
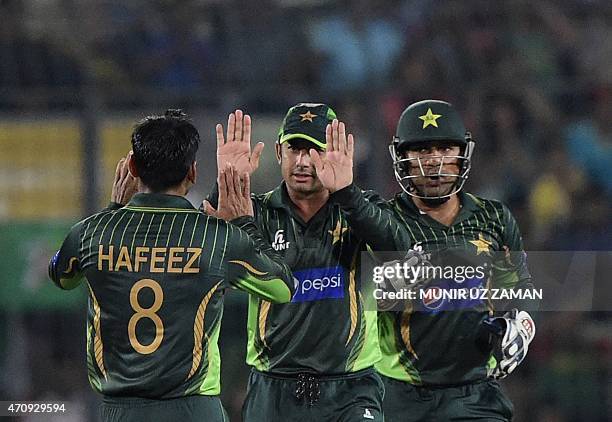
(319, 283)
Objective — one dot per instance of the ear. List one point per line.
(192, 173)
(277, 149)
(132, 166)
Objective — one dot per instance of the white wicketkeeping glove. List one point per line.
(413, 258)
(515, 331)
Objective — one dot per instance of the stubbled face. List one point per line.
(430, 160)
(297, 169)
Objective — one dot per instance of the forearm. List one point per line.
(262, 277)
(274, 289)
(249, 225)
(371, 219)
(526, 298)
(258, 270)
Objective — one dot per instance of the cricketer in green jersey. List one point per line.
(313, 358)
(156, 272)
(439, 356)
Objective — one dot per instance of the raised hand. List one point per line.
(235, 149)
(234, 195)
(124, 185)
(335, 167)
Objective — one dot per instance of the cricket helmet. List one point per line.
(426, 122)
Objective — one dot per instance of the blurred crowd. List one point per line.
(533, 80)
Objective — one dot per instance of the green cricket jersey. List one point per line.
(328, 328)
(156, 271)
(442, 341)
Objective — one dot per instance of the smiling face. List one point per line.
(297, 168)
(434, 166)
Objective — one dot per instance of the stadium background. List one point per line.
(533, 80)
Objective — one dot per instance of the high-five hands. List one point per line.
(335, 167)
(234, 195)
(235, 149)
(234, 160)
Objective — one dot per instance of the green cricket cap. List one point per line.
(306, 121)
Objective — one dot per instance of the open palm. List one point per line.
(236, 148)
(335, 167)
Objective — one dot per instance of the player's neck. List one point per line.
(307, 205)
(444, 213)
(179, 190)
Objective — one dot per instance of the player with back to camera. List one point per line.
(156, 272)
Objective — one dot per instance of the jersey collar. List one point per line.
(279, 198)
(159, 200)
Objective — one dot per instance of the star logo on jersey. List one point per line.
(482, 245)
(337, 232)
(307, 116)
(430, 119)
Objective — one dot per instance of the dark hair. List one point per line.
(164, 148)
